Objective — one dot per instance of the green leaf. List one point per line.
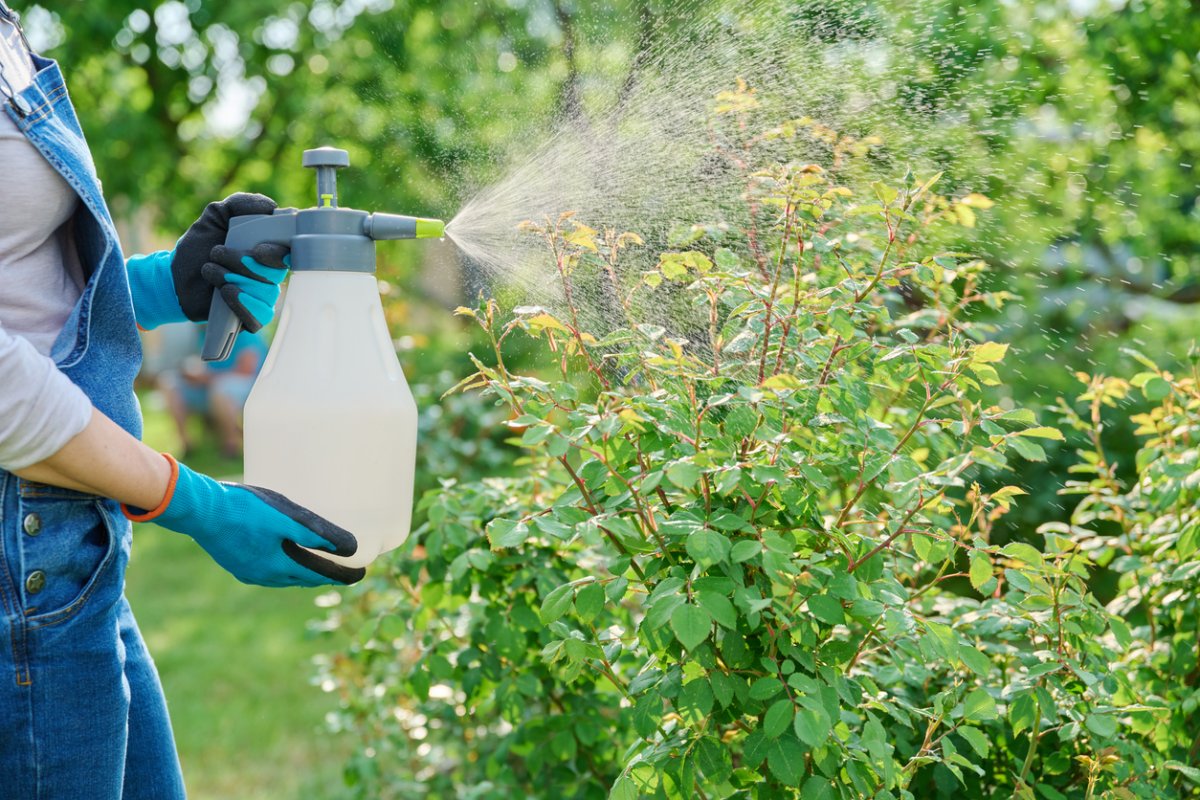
(623, 789)
(707, 547)
(765, 688)
(555, 604)
(978, 741)
(988, 352)
(719, 606)
(714, 759)
(695, 700)
(827, 609)
(691, 625)
(786, 759)
(812, 725)
(1026, 449)
(1022, 713)
(1156, 389)
(589, 602)
(778, 718)
(1021, 415)
(981, 569)
(503, 533)
(1191, 773)
(1103, 725)
(817, 788)
(683, 474)
(722, 687)
(1025, 553)
(746, 550)
(979, 706)
(1042, 433)
(976, 661)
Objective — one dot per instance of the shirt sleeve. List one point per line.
(40, 408)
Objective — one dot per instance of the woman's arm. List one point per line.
(106, 460)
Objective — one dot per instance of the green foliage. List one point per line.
(755, 560)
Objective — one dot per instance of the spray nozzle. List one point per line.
(397, 226)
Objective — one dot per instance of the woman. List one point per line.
(81, 709)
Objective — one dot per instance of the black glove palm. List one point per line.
(202, 263)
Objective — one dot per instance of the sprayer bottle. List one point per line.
(330, 422)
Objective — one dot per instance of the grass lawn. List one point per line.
(235, 662)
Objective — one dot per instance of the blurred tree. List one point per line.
(188, 101)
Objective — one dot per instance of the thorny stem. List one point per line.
(591, 506)
(864, 485)
(797, 272)
(559, 262)
(1034, 738)
(770, 301)
(887, 251)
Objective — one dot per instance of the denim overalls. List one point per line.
(82, 713)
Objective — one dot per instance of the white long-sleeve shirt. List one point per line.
(40, 281)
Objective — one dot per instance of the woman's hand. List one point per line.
(257, 535)
(177, 285)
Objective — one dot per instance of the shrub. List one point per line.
(750, 556)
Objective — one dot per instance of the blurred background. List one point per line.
(1079, 118)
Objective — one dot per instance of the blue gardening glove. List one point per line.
(256, 534)
(177, 285)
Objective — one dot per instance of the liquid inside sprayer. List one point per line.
(331, 422)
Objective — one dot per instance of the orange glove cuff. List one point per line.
(137, 515)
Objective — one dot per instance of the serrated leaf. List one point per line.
(979, 706)
(978, 741)
(555, 604)
(691, 625)
(765, 688)
(683, 474)
(589, 602)
(719, 606)
(988, 352)
(1042, 432)
(976, 661)
(503, 533)
(1022, 711)
(981, 569)
(1022, 552)
(786, 760)
(827, 609)
(1191, 773)
(1026, 449)
(778, 718)
(707, 547)
(812, 725)
(1103, 725)
(744, 550)
(623, 789)
(714, 759)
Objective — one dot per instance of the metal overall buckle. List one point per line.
(17, 101)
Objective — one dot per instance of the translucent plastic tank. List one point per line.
(331, 422)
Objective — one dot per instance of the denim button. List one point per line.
(35, 582)
(33, 524)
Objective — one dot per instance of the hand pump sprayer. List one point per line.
(330, 422)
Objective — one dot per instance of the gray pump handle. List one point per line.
(244, 233)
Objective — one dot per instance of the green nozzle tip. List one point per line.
(430, 228)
